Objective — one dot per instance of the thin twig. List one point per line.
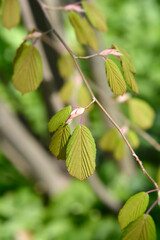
(90, 103)
(87, 57)
(152, 206)
(99, 104)
(128, 144)
(153, 190)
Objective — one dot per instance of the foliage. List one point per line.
(75, 212)
(136, 224)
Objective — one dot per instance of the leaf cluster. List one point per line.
(77, 149)
(115, 78)
(134, 223)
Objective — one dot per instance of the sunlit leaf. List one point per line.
(95, 16)
(141, 113)
(66, 91)
(108, 141)
(133, 208)
(126, 58)
(129, 78)
(28, 69)
(115, 78)
(84, 97)
(65, 66)
(10, 13)
(133, 138)
(59, 118)
(119, 151)
(141, 229)
(59, 142)
(84, 32)
(81, 153)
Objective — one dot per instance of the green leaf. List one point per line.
(141, 229)
(133, 138)
(81, 153)
(95, 16)
(10, 13)
(141, 113)
(59, 141)
(108, 141)
(84, 97)
(66, 91)
(65, 66)
(59, 118)
(119, 150)
(84, 32)
(19, 52)
(133, 208)
(28, 69)
(115, 78)
(126, 58)
(129, 78)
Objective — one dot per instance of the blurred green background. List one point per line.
(77, 213)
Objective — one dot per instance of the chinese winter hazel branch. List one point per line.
(105, 52)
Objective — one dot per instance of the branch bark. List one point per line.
(27, 154)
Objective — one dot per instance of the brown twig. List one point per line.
(152, 206)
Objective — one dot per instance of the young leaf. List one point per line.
(126, 58)
(28, 69)
(10, 13)
(73, 7)
(84, 32)
(108, 141)
(141, 113)
(115, 78)
(142, 228)
(119, 151)
(65, 66)
(110, 51)
(59, 142)
(133, 208)
(75, 113)
(81, 153)
(133, 138)
(95, 16)
(59, 118)
(129, 78)
(66, 91)
(84, 98)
